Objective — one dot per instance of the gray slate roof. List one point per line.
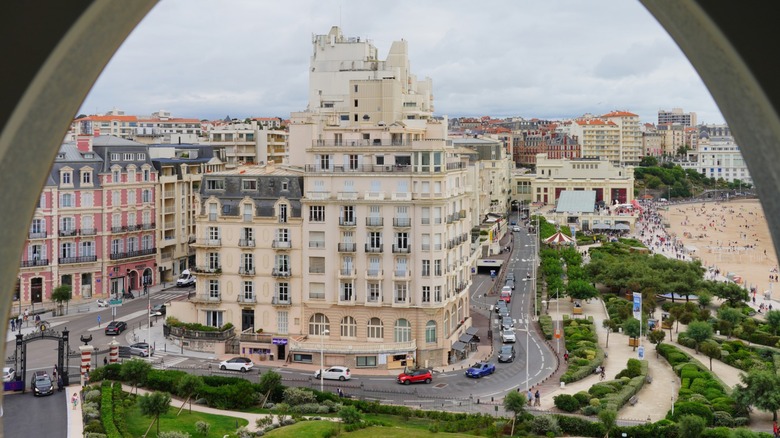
(576, 201)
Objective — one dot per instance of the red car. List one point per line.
(415, 376)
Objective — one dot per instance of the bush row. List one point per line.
(120, 416)
(107, 411)
(546, 323)
(584, 353)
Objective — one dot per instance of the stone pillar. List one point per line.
(86, 360)
(113, 355)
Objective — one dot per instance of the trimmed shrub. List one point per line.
(583, 398)
(682, 408)
(576, 426)
(163, 380)
(543, 424)
(566, 402)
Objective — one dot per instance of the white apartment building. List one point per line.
(494, 166)
(630, 136)
(240, 143)
(598, 138)
(718, 157)
(676, 117)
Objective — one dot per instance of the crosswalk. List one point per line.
(162, 360)
(166, 296)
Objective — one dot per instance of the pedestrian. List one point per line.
(13, 324)
(566, 357)
(770, 306)
(75, 400)
(603, 372)
(537, 399)
(19, 322)
(105, 361)
(530, 397)
(341, 394)
(54, 373)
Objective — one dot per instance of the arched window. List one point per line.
(318, 323)
(348, 327)
(430, 331)
(402, 331)
(375, 329)
(453, 318)
(446, 323)
(460, 310)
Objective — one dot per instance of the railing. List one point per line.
(402, 300)
(129, 254)
(40, 235)
(67, 233)
(375, 196)
(398, 196)
(276, 272)
(246, 243)
(318, 196)
(81, 259)
(347, 272)
(88, 231)
(462, 214)
(150, 226)
(366, 168)
(343, 222)
(313, 345)
(246, 271)
(375, 221)
(117, 229)
(197, 334)
(206, 298)
(402, 222)
(281, 244)
(276, 301)
(373, 248)
(316, 270)
(316, 244)
(374, 299)
(347, 298)
(32, 263)
(358, 143)
(401, 274)
(374, 273)
(401, 249)
(134, 227)
(264, 338)
(213, 269)
(347, 247)
(209, 242)
(347, 196)
(169, 193)
(247, 299)
(448, 219)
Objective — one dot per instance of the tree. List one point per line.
(271, 386)
(202, 427)
(581, 290)
(732, 293)
(731, 316)
(632, 328)
(760, 388)
(350, 415)
(648, 161)
(135, 372)
(749, 326)
(699, 331)
(153, 405)
(711, 349)
(187, 385)
(611, 326)
(676, 312)
(691, 426)
(608, 417)
(656, 337)
(62, 294)
(773, 320)
(705, 298)
(514, 402)
(671, 319)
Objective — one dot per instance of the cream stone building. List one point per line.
(239, 143)
(630, 136)
(598, 138)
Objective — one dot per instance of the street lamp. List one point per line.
(323, 333)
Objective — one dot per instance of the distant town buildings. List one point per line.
(676, 117)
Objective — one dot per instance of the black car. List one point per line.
(158, 310)
(116, 327)
(41, 384)
(507, 353)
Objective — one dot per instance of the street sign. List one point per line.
(557, 334)
(640, 352)
(98, 318)
(114, 303)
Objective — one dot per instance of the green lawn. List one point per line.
(315, 429)
(220, 425)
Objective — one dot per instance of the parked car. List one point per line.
(115, 327)
(185, 279)
(242, 364)
(480, 369)
(8, 374)
(508, 336)
(142, 349)
(334, 373)
(507, 353)
(507, 323)
(41, 384)
(157, 310)
(102, 303)
(415, 376)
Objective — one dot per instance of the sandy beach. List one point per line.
(730, 236)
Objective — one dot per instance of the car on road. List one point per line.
(516, 229)
(242, 364)
(511, 283)
(480, 369)
(8, 374)
(102, 303)
(115, 327)
(415, 376)
(503, 312)
(41, 384)
(510, 276)
(500, 304)
(507, 323)
(334, 373)
(157, 310)
(142, 349)
(508, 336)
(506, 354)
(185, 279)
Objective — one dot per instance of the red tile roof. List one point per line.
(620, 114)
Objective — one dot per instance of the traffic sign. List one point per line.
(98, 318)
(114, 303)
(557, 334)
(641, 352)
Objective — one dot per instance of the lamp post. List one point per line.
(323, 333)
(527, 345)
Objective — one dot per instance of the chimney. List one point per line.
(84, 143)
(269, 167)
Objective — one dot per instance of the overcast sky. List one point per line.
(534, 58)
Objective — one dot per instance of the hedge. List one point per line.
(120, 419)
(546, 323)
(107, 411)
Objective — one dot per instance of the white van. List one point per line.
(185, 279)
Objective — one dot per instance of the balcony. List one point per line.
(448, 219)
(365, 168)
(347, 298)
(279, 273)
(318, 196)
(374, 274)
(279, 301)
(116, 230)
(347, 196)
(150, 226)
(208, 242)
(402, 222)
(375, 196)
(34, 263)
(398, 249)
(206, 299)
(402, 196)
(401, 300)
(38, 235)
(402, 274)
(281, 244)
(131, 254)
(88, 231)
(374, 299)
(209, 270)
(68, 233)
(246, 243)
(462, 214)
(360, 143)
(347, 222)
(247, 299)
(373, 248)
(81, 259)
(347, 247)
(347, 273)
(316, 244)
(246, 271)
(375, 221)
(312, 344)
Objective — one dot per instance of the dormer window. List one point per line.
(67, 178)
(284, 185)
(249, 184)
(86, 178)
(115, 175)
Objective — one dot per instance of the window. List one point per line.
(248, 184)
(214, 318)
(213, 260)
(67, 224)
(282, 321)
(318, 323)
(67, 250)
(87, 199)
(36, 252)
(316, 239)
(426, 294)
(347, 291)
(373, 293)
(66, 200)
(316, 265)
(426, 268)
(249, 291)
(146, 242)
(437, 293)
(116, 246)
(247, 212)
(38, 226)
(401, 295)
(86, 178)
(437, 268)
(131, 220)
(248, 262)
(347, 215)
(375, 329)
(402, 240)
(86, 248)
(116, 157)
(283, 292)
(317, 291)
(67, 178)
(282, 213)
(317, 213)
(348, 327)
(446, 323)
(285, 185)
(352, 162)
(283, 234)
(146, 196)
(215, 184)
(430, 331)
(303, 358)
(128, 157)
(115, 175)
(375, 240)
(282, 264)
(131, 197)
(42, 201)
(132, 244)
(147, 175)
(402, 331)
(425, 216)
(365, 361)
(213, 288)
(324, 161)
(115, 197)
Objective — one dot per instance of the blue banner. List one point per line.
(638, 305)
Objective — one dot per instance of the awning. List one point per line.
(472, 331)
(465, 338)
(601, 226)
(621, 227)
(459, 346)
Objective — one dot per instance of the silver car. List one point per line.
(142, 349)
